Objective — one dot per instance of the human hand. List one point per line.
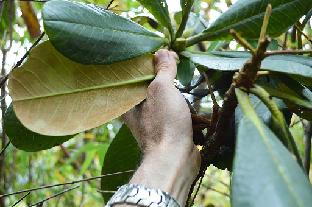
(164, 117)
(162, 126)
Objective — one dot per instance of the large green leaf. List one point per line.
(305, 60)
(24, 139)
(282, 91)
(246, 17)
(123, 155)
(265, 173)
(159, 9)
(297, 97)
(91, 35)
(55, 96)
(294, 66)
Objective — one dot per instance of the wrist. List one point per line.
(169, 168)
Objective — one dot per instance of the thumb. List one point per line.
(166, 65)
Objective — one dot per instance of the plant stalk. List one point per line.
(186, 13)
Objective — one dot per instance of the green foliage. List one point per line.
(261, 162)
(185, 70)
(24, 139)
(294, 65)
(246, 17)
(123, 155)
(159, 9)
(92, 35)
(297, 97)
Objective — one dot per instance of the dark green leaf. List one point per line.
(122, 155)
(186, 6)
(294, 58)
(185, 71)
(282, 91)
(297, 97)
(265, 173)
(92, 35)
(294, 66)
(26, 140)
(159, 9)
(246, 17)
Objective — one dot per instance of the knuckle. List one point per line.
(163, 65)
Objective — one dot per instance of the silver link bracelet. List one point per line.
(139, 195)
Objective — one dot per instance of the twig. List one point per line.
(296, 122)
(5, 147)
(284, 46)
(197, 190)
(109, 4)
(4, 78)
(190, 88)
(223, 183)
(290, 52)
(21, 199)
(61, 184)
(19, 63)
(246, 77)
(265, 24)
(53, 196)
(213, 97)
(106, 191)
(242, 41)
(302, 33)
(217, 191)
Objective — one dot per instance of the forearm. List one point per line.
(168, 169)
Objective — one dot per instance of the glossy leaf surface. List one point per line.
(295, 66)
(246, 17)
(55, 96)
(92, 35)
(265, 173)
(24, 139)
(123, 155)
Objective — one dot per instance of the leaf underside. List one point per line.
(92, 35)
(55, 96)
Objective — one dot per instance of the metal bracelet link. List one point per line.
(139, 195)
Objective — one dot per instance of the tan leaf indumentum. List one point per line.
(55, 96)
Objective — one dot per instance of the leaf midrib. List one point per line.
(148, 33)
(253, 118)
(243, 21)
(276, 161)
(110, 85)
